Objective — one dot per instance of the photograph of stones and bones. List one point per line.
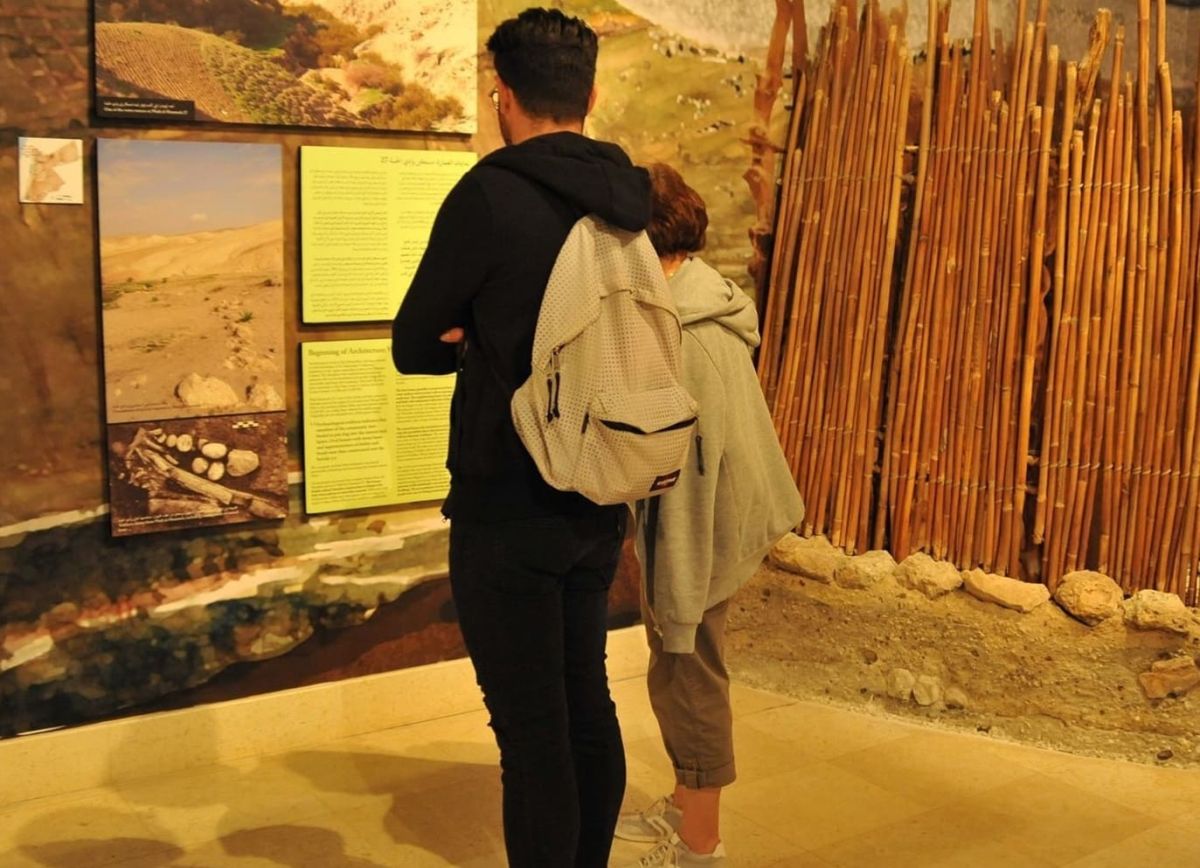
(197, 472)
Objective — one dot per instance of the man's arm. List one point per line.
(449, 276)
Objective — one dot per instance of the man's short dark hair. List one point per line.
(678, 218)
(549, 61)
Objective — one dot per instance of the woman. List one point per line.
(701, 541)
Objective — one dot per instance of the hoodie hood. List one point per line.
(597, 177)
(701, 294)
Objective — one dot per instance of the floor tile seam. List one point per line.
(953, 797)
(304, 818)
(1171, 811)
(748, 720)
(35, 861)
(317, 808)
(388, 801)
(368, 733)
(801, 774)
(65, 797)
(1114, 806)
(1171, 825)
(784, 704)
(1068, 772)
(148, 838)
(980, 835)
(343, 823)
(1016, 843)
(117, 802)
(940, 728)
(769, 832)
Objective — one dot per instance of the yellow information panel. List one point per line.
(365, 216)
(372, 437)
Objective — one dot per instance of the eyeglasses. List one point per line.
(495, 97)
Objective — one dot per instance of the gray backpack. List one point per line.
(603, 412)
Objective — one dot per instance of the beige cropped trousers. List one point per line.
(690, 697)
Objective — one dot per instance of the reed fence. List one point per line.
(981, 337)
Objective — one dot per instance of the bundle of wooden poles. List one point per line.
(827, 325)
(1119, 487)
(1007, 377)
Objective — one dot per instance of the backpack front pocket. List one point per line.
(634, 444)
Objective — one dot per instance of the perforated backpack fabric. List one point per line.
(603, 412)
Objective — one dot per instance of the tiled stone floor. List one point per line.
(818, 786)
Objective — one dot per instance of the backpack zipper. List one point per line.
(553, 387)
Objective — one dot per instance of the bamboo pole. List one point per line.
(886, 278)
(1151, 361)
(1064, 492)
(918, 437)
(908, 363)
(1034, 311)
(887, 498)
(1109, 479)
(1070, 532)
(864, 427)
(1169, 496)
(1128, 521)
(1119, 177)
(1051, 448)
(951, 509)
(817, 444)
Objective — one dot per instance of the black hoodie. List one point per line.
(490, 253)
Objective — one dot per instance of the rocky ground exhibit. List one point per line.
(1087, 670)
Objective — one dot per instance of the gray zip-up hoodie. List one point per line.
(736, 497)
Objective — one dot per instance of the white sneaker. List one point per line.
(657, 823)
(673, 853)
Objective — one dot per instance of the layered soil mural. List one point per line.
(93, 626)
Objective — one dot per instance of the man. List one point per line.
(530, 566)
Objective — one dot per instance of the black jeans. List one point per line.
(532, 599)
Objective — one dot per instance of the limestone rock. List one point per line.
(1089, 596)
(956, 697)
(1003, 591)
(865, 570)
(197, 391)
(927, 691)
(1173, 677)
(900, 684)
(263, 396)
(932, 578)
(241, 462)
(812, 557)
(1155, 610)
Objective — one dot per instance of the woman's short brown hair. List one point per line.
(678, 218)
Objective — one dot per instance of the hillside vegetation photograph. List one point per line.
(374, 64)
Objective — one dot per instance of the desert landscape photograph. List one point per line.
(191, 263)
(373, 64)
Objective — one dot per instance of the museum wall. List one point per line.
(92, 625)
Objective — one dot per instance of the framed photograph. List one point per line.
(368, 64)
(184, 473)
(191, 269)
